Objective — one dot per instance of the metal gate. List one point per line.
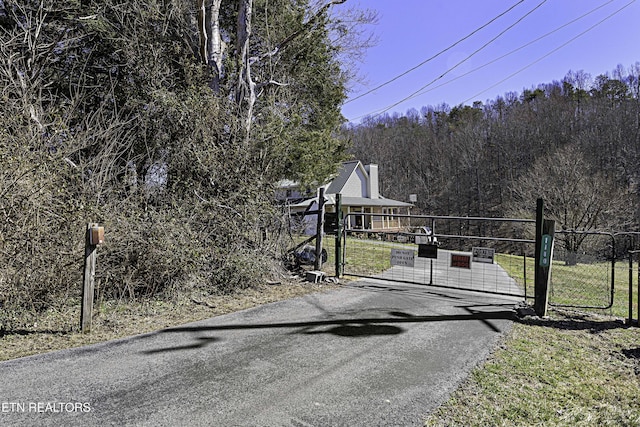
(591, 269)
(594, 270)
(489, 255)
(584, 269)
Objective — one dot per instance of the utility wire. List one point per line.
(573, 21)
(414, 94)
(553, 51)
(434, 56)
(422, 90)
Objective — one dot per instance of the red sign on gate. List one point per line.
(461, 261)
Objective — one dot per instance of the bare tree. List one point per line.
(213, 52)
(576, 196)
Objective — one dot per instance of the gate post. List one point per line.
(543, 259)
(637, 320)
(94, 236)
(630, 319)
(319, 229)
(338, 251)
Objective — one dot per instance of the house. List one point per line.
(289, 192)
(359, 186)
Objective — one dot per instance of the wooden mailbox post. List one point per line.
(94, 236)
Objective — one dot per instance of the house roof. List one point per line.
(344, 172)
(382, 201)
(339, 186)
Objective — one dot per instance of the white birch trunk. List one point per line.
(246, 88)
(211, 44)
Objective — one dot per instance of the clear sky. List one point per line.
(412, 32)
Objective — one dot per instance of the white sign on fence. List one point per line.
(402, 257)
(423, 240)
(483, 255)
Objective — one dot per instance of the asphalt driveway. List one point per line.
(371, 354)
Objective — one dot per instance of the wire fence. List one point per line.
(591, 270)
(384, 257)
(401, 254)
(583, 273)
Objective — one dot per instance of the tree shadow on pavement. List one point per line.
(365, 330)
(356, 327)
(201, 342)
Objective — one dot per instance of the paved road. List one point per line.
(371, 354)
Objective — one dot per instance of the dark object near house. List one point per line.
(307, 255)
(330, 222)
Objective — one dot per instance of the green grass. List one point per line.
(581, 285)
(366, 258)
(565, 371)
(571, 369)
(514, 266)
(363, 256)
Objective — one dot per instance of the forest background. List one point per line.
(574, 142)
(171, 122)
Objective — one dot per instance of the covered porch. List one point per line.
(372, 215)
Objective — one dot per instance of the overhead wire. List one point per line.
(552, 51)
(426, 88)
(436, 55)
(493, 61)
(484, 46)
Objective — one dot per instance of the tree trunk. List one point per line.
(245, 90)
(211, 44)
(571, 245)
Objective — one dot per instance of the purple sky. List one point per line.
(410, 32)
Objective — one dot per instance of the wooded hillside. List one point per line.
(574, 142)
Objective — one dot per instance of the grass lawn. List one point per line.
(363, 256)
(581, 286)
(575, 368)
(569, 370)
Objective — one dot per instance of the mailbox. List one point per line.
(427, 251)
(96, 235)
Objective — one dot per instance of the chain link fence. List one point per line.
(583, 270)
(592, 270)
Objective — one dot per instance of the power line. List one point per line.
(424, 89)
(434, 56)
(422, 92)
(552, 51)
(461, 62)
